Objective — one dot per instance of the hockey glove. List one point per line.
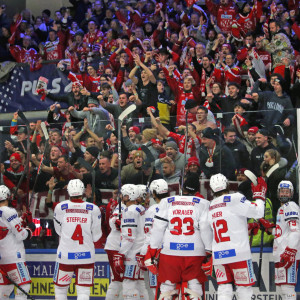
(208, 266)
(253, 228)
(26, 218)
(118, 224)
(3, 232)
(118, 262)
(267, 225)
(259, 191)
(288, 257)
(151, 260)
(140, 261)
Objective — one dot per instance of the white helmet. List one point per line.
(4, 192)
(218, 183)
(75, 188)
(142, 189)
(130, 190)
(285, 184)
(160, 186)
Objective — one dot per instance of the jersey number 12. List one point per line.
(220, 228)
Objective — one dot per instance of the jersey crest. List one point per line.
(196, 200)
(171, 199)
(227, 199)
(89, 207)
(64, 206)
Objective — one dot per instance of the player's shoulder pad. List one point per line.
(171, 199)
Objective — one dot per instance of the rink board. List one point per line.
(41, 267)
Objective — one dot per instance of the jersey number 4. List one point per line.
(220, 228)
(77, 234)
(179, 223)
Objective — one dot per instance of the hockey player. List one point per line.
(181, 225)
(158, 190)
(79, 225)
(287, 241)
(112, 247)
(231, 252)
(12, 259)
(132, 238)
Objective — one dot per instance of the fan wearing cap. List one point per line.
(91, 156)
(172, 154)
(132, 132)
(276, 106)
(230, 212)
(13, 174)
(249, 140)
(262, 145)
(179, 264)
(215, 157)
(133, 168)
(78, 225)
(147, 136)
(193, 141)
(97, 116)
(193, 166)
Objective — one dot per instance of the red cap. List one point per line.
(240, 171)
(253, 129)
(135, 129)
(193, 161)
(156, 141)
(16, 156)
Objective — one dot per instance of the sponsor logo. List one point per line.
(77, 211)
(12, 217)
(227, 199)
(251, 271)
(65, 278)
(64, 206)
(278, 231)
(0, 213)
(182, 246)
(243, 200)
(128, 220)
(217, 206)
(220, 274)
(172, 199)
(85, 276)
(14, 276)
(183, 203)
(224, 254)
(129, 271)
(149, 220)
(22, 271)
(79, 255)
(89, 207)
(241, 276)
(291, 213)
(226, 17)
(157, 209)
(196, 200)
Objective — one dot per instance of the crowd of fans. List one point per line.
(231, 69)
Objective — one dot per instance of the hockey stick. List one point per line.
(86, 165)
(185, 149)
(15, 284)
(149, 158)
(27, 168)
(46, 135)
(125, 113)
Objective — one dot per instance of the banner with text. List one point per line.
(18, 92)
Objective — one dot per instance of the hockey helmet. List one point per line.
(75, 188)
(131, 191)
(160, 186)
(285, 184)
(142, 189)
(4, 193)
(218, 182)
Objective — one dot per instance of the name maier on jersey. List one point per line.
(231, 253)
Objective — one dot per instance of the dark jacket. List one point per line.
(240, 154)
(223, 162)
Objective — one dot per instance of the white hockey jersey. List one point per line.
(228, 218)
(181, 226)
(113, 240)
(149, 217)
(287, 231)
(12, 247)
(132, 232)
(79, 225)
